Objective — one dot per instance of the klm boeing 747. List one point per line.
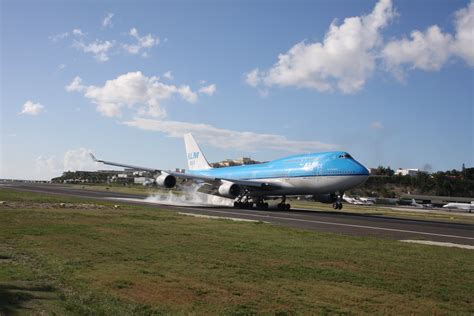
(325, 175)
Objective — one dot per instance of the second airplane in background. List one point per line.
(325, 175)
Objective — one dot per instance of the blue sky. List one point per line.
(390, 81)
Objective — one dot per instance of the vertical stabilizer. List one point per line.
(194, 155)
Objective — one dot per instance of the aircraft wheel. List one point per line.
(236, 204)
(265, 206)
(335, 205)
(340, 206)
(287, 207)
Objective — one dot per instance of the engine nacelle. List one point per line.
(325, 198)
(229, 189)
(166, 180)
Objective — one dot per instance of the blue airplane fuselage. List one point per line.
(313, 173)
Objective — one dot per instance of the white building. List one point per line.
(406, 172)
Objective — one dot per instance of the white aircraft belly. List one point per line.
(311, 185)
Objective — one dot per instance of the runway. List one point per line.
(321, 221)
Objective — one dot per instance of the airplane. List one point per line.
(414, 203)
(357, 200)
(461, 206)
(325, 175)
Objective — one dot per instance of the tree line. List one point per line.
(384, 183)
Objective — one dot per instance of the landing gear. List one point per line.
(337, 205)
(243, 205)
(262, 205)
(282, 206)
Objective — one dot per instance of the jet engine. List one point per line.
(229, 189)
(166, 180)
(325, 198)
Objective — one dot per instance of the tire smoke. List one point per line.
(188, 196)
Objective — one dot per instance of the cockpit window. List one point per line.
(345, 155)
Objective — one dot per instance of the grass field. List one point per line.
(88, 257)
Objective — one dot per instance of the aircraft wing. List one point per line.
(123, 165)
(213, 180)
(199, 178)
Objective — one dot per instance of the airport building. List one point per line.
(407, 172)
(235, 162)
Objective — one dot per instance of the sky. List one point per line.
(391, 82)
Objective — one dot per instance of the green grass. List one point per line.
(141, 260)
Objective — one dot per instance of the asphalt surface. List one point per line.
(321, 221)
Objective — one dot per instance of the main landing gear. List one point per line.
(282, 206)
(337, 205)
(244, 202)
(249, 203)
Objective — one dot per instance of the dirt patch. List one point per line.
(32, 206)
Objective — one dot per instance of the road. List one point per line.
(321, 221)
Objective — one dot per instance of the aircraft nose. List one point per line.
(360, 169)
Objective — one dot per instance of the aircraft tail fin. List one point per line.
(195, 157)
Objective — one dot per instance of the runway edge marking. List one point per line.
(222, 217)
(340, 224)
(438, 243)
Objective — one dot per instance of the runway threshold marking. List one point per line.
(339, 224)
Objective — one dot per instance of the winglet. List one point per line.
(93, 157)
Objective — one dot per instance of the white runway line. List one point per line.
(437, 243)
(221, 217)
(311, 221)
(338, 224)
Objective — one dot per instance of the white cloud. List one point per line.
(61, 66)
(464, 39)
(64, 35)
(47, 167)
(187, 94)
(209, 90)
(59, 36)
(78, 159)
(253, 78)
(168, 75)
(376, 125)
(78, 32)
(430, 50)
(426, 51)
(98, 48)
(142, 43)
(75, 85)
(132, 90)
(31, 108)
(228, 139)
(107, 20)
(344, 60)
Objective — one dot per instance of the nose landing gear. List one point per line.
(337, 205)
